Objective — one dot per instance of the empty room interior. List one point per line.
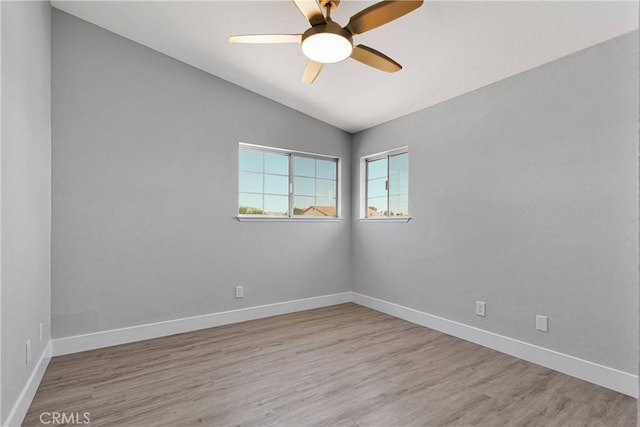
(319, 213)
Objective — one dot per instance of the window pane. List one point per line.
(251, 182)
(399, 174)
(387, 186)
(276, 184)
(251, 160)
(328, 203)
(325, 188)
(377, 187)
(276, 163)
(250, 204)
(377, 169)
(398, 184)
(307, 206)
(276, 205)
(399, 164)
(301, 205)
(304, 166)
(377, 206)
(320, 210)
(326, 169)
(399, 205)
(304, 186)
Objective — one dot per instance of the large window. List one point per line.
(387, 184)
(281, 183)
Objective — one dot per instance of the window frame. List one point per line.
(290, 216)
(364, 196)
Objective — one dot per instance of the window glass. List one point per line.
(251, 160)
(274, 182)
(304, 186)
(387, 186)
(276, 205)
(377, 169)
(251, 182)
(326, 169)
(276, 164)
(326, 188)
(263, 183)
(304, 166)
(251, 204)
(314, 186)
(377, 187)
(302, 204)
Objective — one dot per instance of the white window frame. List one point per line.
(291, 217)
(363, 186)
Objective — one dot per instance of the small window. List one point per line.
(386, 181)
(281, 183)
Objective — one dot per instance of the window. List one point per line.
(386, 182)
(282, 183)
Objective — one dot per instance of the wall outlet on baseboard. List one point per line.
(480, 308)
(239, 291)
(27, 358)
(542, 323)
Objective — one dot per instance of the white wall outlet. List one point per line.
(27, 358)
(239, 291)
(40, 331)
(542, 323)
(480, 308)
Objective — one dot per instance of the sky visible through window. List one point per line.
(264, 184)
(388, 186)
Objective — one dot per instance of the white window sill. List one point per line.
(387, 219)
(258, 218)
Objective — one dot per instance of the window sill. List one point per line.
(387, 219)
(285, 219)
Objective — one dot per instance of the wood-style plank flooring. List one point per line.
(343, 365)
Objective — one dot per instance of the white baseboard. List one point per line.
(604, 376)
(112, 337)
(19, 410)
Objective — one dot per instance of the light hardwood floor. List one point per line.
(344, 365)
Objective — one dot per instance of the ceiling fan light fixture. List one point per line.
(326, 44)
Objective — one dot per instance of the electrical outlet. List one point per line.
(480, 308)
(27, 358)
(40, 331)
(542, 323)
(239, 291)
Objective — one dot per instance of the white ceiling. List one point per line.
(446, 48)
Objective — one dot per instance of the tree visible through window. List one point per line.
(286, 183)
(387, 185)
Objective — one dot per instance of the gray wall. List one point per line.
(523, 195)
(25, 174)
(145, 190)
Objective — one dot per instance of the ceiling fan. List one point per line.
(326, 42)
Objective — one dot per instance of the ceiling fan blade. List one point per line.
(375, 59)
(311, 71)
(380, 14)
(267, 38)
(311, 10)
